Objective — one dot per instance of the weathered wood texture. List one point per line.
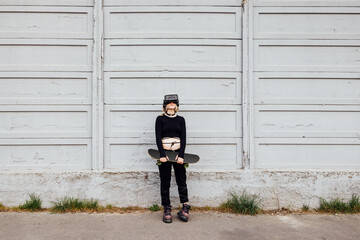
(46, 51)
(82, 82)
(306, 84)
(195, 51)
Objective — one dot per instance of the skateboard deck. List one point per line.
(188, 158)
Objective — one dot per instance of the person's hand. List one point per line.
(179, 160)
(164, 159)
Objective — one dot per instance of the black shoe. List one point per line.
(167, 214)
(183, 214)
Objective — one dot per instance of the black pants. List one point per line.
(165, 179)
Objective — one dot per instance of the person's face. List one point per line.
(171, 105)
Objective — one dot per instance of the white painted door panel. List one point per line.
(45, 88)
(50, 121)
(176, 55)
(311, 55)
(309, 121)
(307, 23)
(82, 3)
(306, 88)
(45, 22)
(45, 154)
(45, 55)
(172, 22)
(139, 121)
(297, 153)
(172, 2)
(307, 3)
(194, 88)
(131, 153)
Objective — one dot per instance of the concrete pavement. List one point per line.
(202, 225)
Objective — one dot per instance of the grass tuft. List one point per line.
(305, 207)
(155, 207)
(206, 209)
(354, 204)
(244, 204)
(109, 206)
(33, 204)
(334, 206)
(68, 204)
(339, 206)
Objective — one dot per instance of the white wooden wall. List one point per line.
(82, 82)
(46, 84)
(306, 84)
(154, 50)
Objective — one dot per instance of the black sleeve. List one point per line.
(158, 134)
(182, 138)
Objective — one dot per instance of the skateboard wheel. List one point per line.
(158, 163)
(186, 165)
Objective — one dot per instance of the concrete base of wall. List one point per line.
(290, 189)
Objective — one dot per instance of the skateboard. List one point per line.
(188, 158)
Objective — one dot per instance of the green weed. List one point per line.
(305, 207)
(155, 207)
(33, 204)
(354, 204)
(339, 206)
(244, 204)
(68, 204)
(109, 206)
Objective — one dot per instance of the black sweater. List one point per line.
(170, 127)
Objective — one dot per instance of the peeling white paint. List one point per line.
(206, 188)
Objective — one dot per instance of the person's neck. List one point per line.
(170, 115)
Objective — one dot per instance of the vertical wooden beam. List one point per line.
(245, 85)
(251, 87)
(97, 89)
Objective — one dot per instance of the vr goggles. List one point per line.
(171, 98)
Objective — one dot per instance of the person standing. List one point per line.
(170, 131)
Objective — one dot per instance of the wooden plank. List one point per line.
(307, 121)
(306, 88)
(133, 88)
(172, 54)
(172, 2)
(307, 23)
(46, 22)
(246, 87)
(45, 88)
(215, 154)
(45, 154)
(97, 90)
(17, 121)
(138, 120)
(307, 55)
(172, 22)
(47, 3)
(45, 55)
(309, 3)
(305, 153)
